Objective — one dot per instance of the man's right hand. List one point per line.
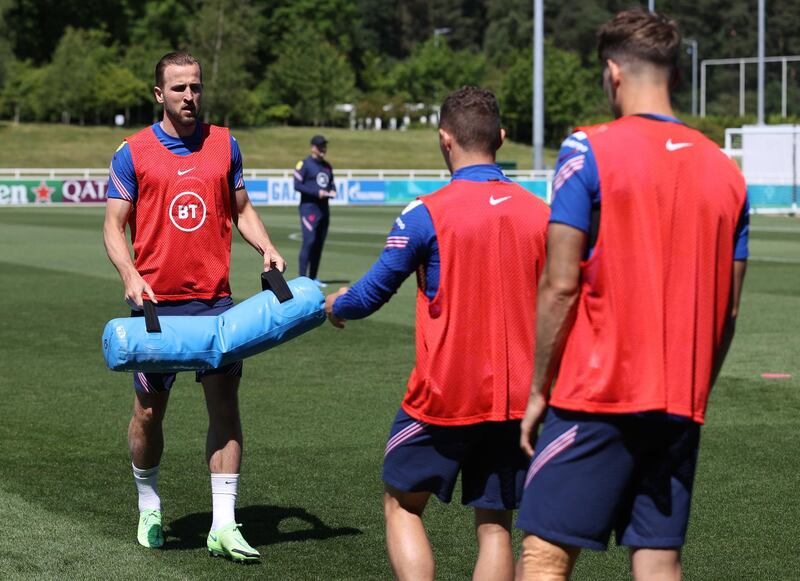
(135, 289)
(529, 427)
(329, 300)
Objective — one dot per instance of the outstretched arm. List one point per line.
(253, 231)
(369, 294)
(410, 244)
(559, 288)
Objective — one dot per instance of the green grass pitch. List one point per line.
(316, 413)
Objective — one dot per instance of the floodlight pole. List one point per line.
(437, 32)
(703, 89)
(794, 170)
(651, 5)
(783, 88)
(693, 44)
(761, 26)
(538, 83)
(742, 87)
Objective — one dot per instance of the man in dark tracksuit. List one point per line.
(313, 179)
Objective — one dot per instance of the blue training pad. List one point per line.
(188, 343)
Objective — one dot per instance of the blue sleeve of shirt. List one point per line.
(410, 244)
(741, 250)
(236, 177)
(301, 182)
(122, 182)
(332, 185)
(576, 183)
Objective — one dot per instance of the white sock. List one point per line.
(223, 497)
(148, 490)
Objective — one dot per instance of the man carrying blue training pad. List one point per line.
(185, 343)
(177, 187)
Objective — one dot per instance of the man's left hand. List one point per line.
(329, 300)
(273, 259)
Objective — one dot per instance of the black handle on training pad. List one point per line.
(150, 317)
(273, 280)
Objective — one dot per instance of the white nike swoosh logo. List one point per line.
(180, 173)
(676, 146)
(494, 201)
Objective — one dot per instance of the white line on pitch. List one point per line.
(776, 259)
(777, 229)
(298, 237)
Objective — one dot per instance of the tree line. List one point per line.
(294, 61)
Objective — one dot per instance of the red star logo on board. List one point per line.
(43, 193)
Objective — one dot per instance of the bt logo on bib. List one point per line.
(187, 211)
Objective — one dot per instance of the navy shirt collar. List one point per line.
(192, 142)
(482, 172)
(659, 117)
(323, 162)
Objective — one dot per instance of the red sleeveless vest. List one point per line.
(475, 339)
(181, 224)
(654, 294)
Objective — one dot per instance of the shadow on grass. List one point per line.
(262, 525)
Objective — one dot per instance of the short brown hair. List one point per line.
(639, 35)
(472, 116)
(179, 58)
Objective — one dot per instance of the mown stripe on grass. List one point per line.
(776, 259)
(74, 267)
(39, 544)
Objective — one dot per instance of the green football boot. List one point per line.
(150, 533)
(228, 542)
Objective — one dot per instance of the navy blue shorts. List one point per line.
(159, 382)
(421, 457)
(594, 473)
